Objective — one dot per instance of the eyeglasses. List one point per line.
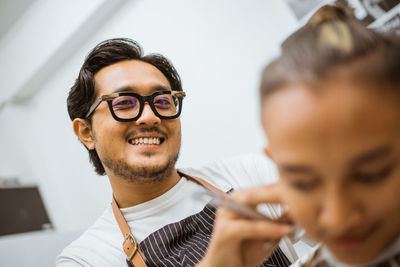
(127, 106)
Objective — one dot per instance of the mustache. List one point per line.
(152, 129)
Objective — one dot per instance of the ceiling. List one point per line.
(10, 12)
(37, 36)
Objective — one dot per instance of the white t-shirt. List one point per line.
(101, 244)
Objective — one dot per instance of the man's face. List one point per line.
(125, 148)
(338, 155)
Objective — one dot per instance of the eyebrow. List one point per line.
(372, 155)
(134, 89)
(366, 157)
(289, 168)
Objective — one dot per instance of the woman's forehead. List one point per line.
(341, 120)
(340, 100)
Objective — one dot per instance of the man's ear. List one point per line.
(83, 130)
(268, 153)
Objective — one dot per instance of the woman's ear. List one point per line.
(83, 130)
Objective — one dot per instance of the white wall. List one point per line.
(218, 47)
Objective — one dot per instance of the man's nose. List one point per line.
(338, 214)
(148, 117)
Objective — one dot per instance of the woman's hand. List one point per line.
(240, 242)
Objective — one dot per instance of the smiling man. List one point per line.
(125, 109)
(139, 155)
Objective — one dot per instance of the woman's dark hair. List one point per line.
(332, 42)
(82, 93)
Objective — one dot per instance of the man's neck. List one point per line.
(128, 194)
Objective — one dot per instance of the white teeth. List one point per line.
(146, 141)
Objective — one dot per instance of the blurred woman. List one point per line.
(331, 114)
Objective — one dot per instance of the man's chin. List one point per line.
(147, 159)
(150, 170)
(142, 170)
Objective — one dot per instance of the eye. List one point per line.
(303, 185)
(374, 177)
(163, 101)
(124, 102)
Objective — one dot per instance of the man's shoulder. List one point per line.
(99, 245)
(236, 172)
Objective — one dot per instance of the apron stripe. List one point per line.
(184, 243)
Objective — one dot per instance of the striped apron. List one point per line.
(184, 243)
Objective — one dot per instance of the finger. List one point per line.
(257, 195)
(285, 218)
(242, 229)
(262, 229)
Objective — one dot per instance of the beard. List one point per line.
(141, 174)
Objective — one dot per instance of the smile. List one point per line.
(146, 141)
(350, 242)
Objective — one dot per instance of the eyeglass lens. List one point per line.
(127, 107)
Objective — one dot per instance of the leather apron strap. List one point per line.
(201, 182)
(130, 245)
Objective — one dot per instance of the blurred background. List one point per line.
(219, 49)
